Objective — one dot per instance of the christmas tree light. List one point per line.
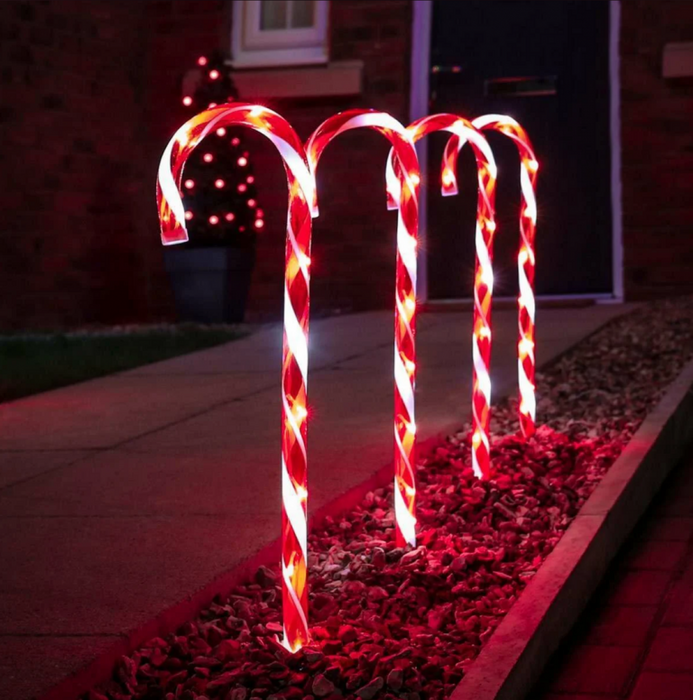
(220, 178)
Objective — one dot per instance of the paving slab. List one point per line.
(17, 467)
(46, 658)
(137, 491)
(104, 412)
(104, 575)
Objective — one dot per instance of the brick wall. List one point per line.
(354, 239)
(91, 93)
(657, 135)
(70, 163)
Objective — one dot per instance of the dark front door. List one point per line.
(547, 65)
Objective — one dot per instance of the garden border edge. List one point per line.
(512, 661)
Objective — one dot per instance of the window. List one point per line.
(279, 32)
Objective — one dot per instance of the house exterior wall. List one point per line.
(91, 93)
(70, 165)
(354, 237)
(657, 142)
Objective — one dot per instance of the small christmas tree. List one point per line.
(219, 193)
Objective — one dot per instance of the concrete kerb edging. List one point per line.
(512, 661)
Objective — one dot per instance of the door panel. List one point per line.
(547, 65)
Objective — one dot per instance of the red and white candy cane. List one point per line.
(296, 309)
(464, 131)
(405, 295)
(525, 259)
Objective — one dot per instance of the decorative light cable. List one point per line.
(405, 294)
(526, 260)
(464, 132)
(296, 309)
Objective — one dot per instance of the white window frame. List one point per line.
(254, 48)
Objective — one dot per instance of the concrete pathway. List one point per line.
(635, 641)
(120, 497)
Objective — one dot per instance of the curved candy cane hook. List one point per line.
(464, 131)
(296, 313)
(526, 260)
(405, 294)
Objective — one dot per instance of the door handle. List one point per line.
(531, 86)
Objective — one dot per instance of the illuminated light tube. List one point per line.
(464, 132)
(294, 461)
(406, 185)
(526, 260)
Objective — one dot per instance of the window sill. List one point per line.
(338, 79)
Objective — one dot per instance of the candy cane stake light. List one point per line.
(405, 294)
(464, 132)
(296, 308)
(526, 259)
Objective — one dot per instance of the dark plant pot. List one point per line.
(210, 285)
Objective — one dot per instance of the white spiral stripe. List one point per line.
(392, 183)
(404, 387)
(486, 119)
(294, 511)
(405, 520)
(481, 372)
(169, 190)
(526, 391)
(484, 260)
(531, 202)
(406, 245)
(295, 337)
(526, 293)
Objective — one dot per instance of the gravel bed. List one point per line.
(392, 623)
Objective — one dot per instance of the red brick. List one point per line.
(596, 669)
(637, 588)
(662, 556)
(671, 650)
(678, 507)
(621, 625)
(663, 686)
(674, 529)
(655, 136)
(679, 609)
